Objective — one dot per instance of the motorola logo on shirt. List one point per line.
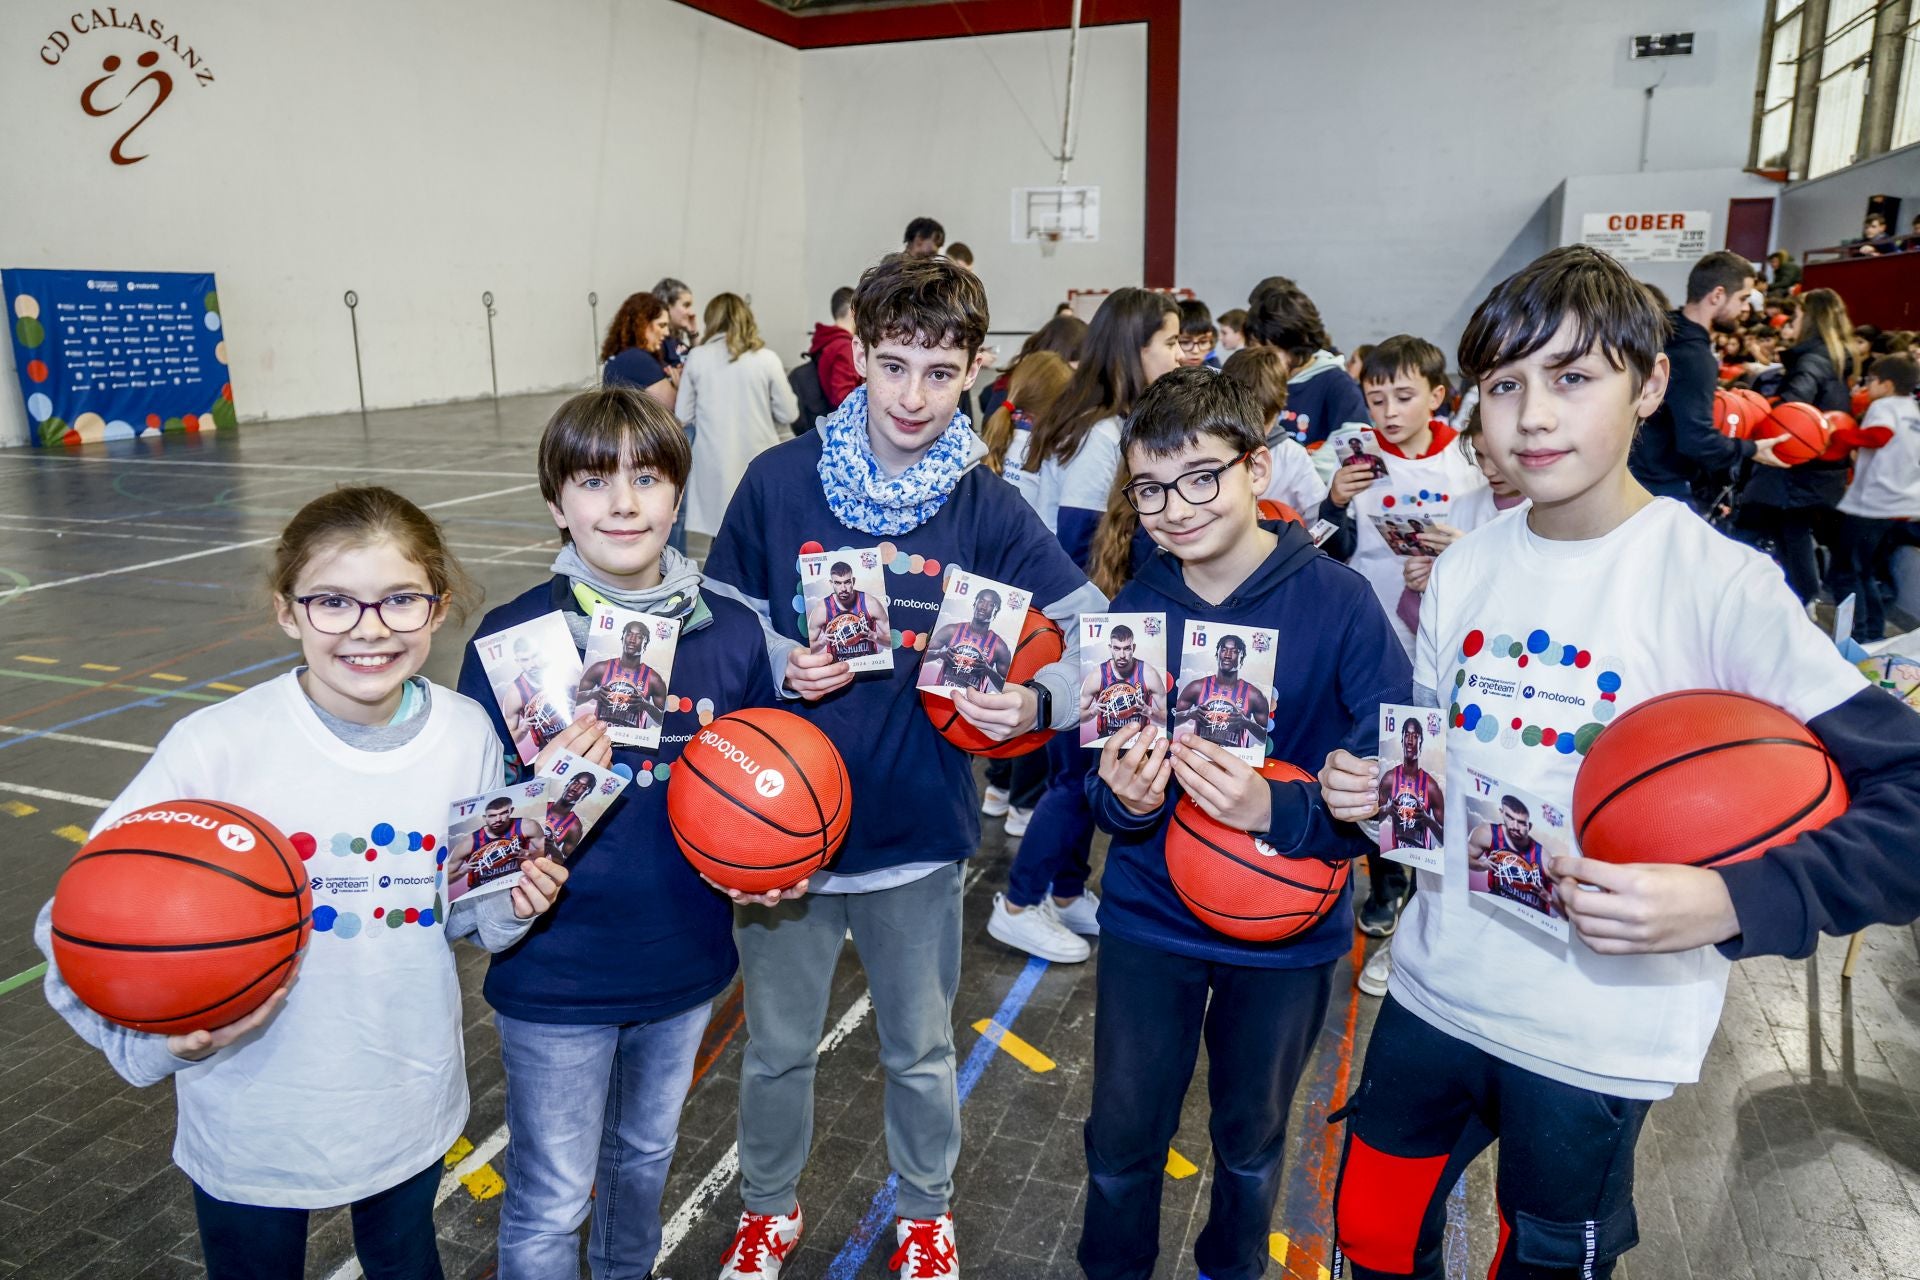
(1548, 695)
(387, 882)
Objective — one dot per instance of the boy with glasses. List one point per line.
(1195, 446)
(1197, 335)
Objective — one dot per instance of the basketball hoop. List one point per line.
(1049, 238)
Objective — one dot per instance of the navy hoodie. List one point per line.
(1338, 660)
(913, 793)
(637, 935)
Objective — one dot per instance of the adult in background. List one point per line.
(682, 326)
(631, 355)
(1787, 505)
(1678, 444)
(1321, 395)
(924, 238)
(735, 398)
(1785, 272)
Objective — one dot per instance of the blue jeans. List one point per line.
(1056, 851)
(392, 1234)
(594, 1113)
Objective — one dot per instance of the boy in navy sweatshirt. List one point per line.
(1196, 448)
(893, 473)
(601, 1007)
(1322, 396)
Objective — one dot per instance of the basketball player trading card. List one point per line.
(491, 837)
(846, 598)
(974, 636)
(1413, 766)
(1123, 675)
(1225, 690)
(579, 793)
(1512, 837)
(1401, 530)
(629, 662)
(1357, 447)
(534, 670)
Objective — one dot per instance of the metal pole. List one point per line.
(352, 300)
(1066, 125)
(1806, 86)
(493, 366)
(593, 306)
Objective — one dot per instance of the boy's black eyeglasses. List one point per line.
(1149, 497)
(333, 614)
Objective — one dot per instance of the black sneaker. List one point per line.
(1376, 917)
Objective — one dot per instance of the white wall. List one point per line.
(1829, 209)
(1397, 156)
(419, 153)
(1675, 190)
(948, 128)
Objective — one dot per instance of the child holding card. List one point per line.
(602, 1005)
(1215, 702)
(532, 669)
(492, 837)
(974, 637)
(1123, 658)
(847, 608)
(625, 678)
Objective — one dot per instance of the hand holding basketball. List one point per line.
(1763, 452)
(1138, 777)
(1647, 907)
(539, 887)
(1226, 788)
(196, 1045)
(586, 737)
(1350, 786)
(999, 715)
(762, 899)
(814, 675)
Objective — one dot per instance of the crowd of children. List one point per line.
(1239, 470)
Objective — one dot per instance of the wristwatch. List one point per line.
(1043, 713)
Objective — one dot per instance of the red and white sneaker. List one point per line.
(761, 1244)
(926, 1249)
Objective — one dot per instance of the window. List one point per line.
(1776, 118)
(1848, 90)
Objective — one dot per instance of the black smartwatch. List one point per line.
(1043, 714)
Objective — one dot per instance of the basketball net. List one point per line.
(1049, 241)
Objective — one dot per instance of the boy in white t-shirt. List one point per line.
(1885, 489)
(1606, 596)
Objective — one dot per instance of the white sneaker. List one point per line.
(996, 802)
(926, 1249)
(761, 1244)
(1379, 967)
(1036, 931)
(1017, 820)
(1079, 914)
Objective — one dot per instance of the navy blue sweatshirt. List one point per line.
(637, 935)
(913, 793)
(1679, 441)
(1327, 401)
(1338, 660)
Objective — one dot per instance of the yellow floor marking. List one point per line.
(170, 679)
(1019, 1050)
(97, 666)
(1178, 1166)
(45, 662)
(227, 688)
(18, 808)
(459, 1151)
(76, 834)
(483, 1183)
(1277, 1247)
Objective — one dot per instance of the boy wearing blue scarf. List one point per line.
(895, 469)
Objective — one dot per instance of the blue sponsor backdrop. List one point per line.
(107, 355)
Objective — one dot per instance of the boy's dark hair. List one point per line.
(960, 252)
(1263, 372)
(1282, 315)
(1901, 371)
(1722, 270)
(1187, 404)
(1404, 353)
(598, 430)
(925, 229)
(1235, 319)
(1577, 284)
(1195, 317)
(842, 301)
(926, 302)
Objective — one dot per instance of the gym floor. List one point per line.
(132, 591)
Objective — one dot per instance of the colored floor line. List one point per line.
(866, 1234)
(21, 979)
(37, 734)
(65, 797)
(728, 1017)
(1306, 1203)
(50, 677)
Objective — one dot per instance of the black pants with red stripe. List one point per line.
(1427, 1104)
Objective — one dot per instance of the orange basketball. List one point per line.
(759, 800)
(181, 917)
(1702, 777)
(1237, 884)
(1746, 410)
(1859, 401)
(1726, 413)
(1041, 643)
(1803, 430)
(1272, 509)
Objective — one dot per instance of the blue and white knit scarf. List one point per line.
(864, 497)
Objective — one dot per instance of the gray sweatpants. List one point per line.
(908, 939)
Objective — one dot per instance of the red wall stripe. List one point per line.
(997, 17)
